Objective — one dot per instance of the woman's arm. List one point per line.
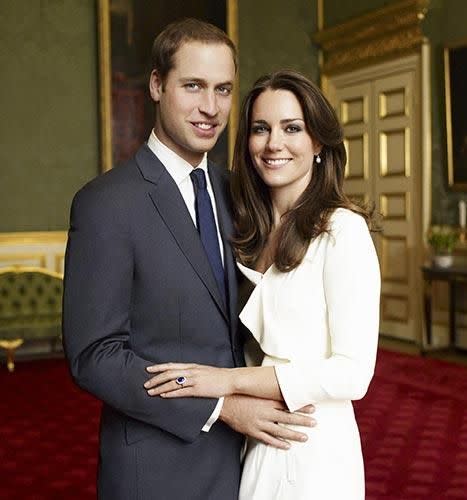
(352, 287)
(351, 282)
(209, 381)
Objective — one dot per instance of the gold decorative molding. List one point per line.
(426, 152)
(44, 249)
(60, 263)
(33, 237)
(391, 31)
(105, 91)
(352, 113)
(40, 258)
(387, 315)
(10, 346)
(387, 169)
(232, 31)
(394, 258)
(359, 198)
(350, 172)
(320, 24)
(395, 206)
(30, 269)
(384, 100)
(320, 14)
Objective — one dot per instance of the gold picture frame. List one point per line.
(455, 79)
(104, 17)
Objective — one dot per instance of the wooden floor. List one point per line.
(451, 355)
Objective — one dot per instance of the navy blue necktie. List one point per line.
(207, 228)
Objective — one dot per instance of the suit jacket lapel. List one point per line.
(170, 205)
(226, 228)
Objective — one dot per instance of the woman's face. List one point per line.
(279, 144)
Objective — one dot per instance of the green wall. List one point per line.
(337, 11)
(49, 131)
(48, 92)
(274, 34)
(48, 98)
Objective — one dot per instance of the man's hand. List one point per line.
(261, 419)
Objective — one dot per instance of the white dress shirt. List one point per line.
(179, 169)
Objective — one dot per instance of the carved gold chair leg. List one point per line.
(10, 346)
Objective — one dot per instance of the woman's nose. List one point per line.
(275, 141)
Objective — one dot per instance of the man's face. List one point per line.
(195, 99)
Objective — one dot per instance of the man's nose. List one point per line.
(208, 104)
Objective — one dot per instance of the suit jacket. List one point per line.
(139, 290)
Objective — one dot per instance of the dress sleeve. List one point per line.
(351, 282)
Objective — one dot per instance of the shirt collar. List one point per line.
(178, 168)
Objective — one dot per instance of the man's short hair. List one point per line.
(179, 32)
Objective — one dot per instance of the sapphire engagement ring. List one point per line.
(180, 381)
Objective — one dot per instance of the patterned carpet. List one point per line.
(413, 423)
(48, 434)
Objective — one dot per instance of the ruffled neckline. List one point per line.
(254, 276)
(259, 314)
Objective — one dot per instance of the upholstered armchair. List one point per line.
(30, 307)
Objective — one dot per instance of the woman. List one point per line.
(315, 308)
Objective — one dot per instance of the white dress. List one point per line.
(318, 325)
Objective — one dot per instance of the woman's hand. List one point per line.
(181, 380)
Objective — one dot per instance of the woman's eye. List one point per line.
(293, 129)
(258, 129)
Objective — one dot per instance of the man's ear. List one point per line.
(155, 86)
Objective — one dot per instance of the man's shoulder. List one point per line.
(112, 190)
(119, 178)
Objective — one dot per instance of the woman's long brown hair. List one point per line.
(309, 217)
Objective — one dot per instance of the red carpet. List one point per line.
(48, 434)
(413, 423)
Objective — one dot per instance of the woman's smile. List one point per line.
(280, 146)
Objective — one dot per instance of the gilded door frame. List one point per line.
(421, 206)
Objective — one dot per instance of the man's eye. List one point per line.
(192, 86)
(224, 90)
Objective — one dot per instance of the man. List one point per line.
(150, 278)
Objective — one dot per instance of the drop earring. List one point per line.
(318, 159)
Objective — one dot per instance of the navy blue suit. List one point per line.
(139, 290)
